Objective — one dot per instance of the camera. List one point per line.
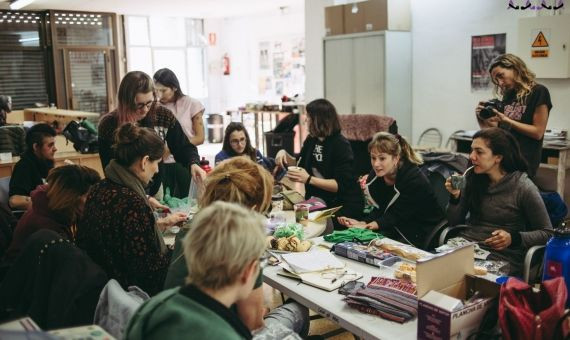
(487, 111)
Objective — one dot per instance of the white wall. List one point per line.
(314, 33)
(442, 95)
(239, 37)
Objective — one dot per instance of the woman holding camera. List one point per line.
(526, 106)
(506, 213)
(325, 162)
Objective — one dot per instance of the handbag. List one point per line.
(82, 137)
(525, 313)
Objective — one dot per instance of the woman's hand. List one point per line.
(172, 219)
(299, 175)
(348, 222)
(281, 159)
(198, 174)
(485, 123)
(499, 240)
(155, 204)
(454, 192)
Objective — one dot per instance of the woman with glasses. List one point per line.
(137, 104)
(189, 113)
(237, 143)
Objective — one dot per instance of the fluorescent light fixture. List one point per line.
(354, 9)
(17, 4)
(28, 39)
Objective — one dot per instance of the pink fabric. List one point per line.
(357, 127)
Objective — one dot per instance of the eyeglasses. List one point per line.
(238, 141)
(148, 105)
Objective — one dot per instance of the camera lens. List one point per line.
(486, 112)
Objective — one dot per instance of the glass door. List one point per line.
(88, 75)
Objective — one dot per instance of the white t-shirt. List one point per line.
(184, 109)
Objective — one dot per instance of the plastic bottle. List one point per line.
(557, 258)
(205, 165)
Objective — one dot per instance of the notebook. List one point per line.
(328, 280)
(314, 261)
(317, 216)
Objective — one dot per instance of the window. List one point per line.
(22, 59)
(176, 43)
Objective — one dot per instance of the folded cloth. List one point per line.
(352, 235)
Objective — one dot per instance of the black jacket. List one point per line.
(337, 164)
(413, 210)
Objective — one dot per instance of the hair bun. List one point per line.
(128, 133)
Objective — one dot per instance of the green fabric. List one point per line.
(352, 235)
(171, 315)
(123, 176)
(178, 270)
(173, 202)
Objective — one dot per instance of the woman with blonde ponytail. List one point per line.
(526, 104)
(405, 206)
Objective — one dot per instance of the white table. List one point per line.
(331, 305)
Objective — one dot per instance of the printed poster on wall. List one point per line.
(281, 67)
(483, 49)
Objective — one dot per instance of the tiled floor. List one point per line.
(319, 326)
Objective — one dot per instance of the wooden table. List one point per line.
(49, 115)
(91, 160)
(548, 151)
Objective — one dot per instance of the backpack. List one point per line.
(83, 139)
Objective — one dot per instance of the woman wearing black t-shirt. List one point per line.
(325, 162)
(526, 106)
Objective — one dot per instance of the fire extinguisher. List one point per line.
(226, 64)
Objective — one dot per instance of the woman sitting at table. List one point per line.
(404, 203)
(57, 205)
(325, 162)
(237, 143)
(240, 180)
(222, 251)
(506, 213)
(119, 230)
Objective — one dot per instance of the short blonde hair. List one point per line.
(224, 239)
(239, 180)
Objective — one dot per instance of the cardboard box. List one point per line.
(334, 20)
(442, 283)
(353, 22)
(377, 15)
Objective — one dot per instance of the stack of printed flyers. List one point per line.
(319, 269)
(391, 299)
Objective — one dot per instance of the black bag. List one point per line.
(83, 140)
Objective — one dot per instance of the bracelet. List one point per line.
(308, 181)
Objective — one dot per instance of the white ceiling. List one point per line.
(179, 8)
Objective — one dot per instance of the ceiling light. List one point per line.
(354, 9)
(17, 4)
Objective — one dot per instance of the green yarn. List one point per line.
(353, 235)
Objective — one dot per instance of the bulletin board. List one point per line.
(483, 49)
(282, 67)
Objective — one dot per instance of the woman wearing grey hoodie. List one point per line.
(506, 213)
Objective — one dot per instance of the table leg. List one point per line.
(561, 176)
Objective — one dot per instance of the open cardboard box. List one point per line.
(442, 282)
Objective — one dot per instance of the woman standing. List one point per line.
(188, 111)
(526, 106)
(237, 143)
(506, 213)
(137, 104)
(325, 162)
(404, 204)
(119, 231)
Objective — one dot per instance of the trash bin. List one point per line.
(277, 141)
(215, 125)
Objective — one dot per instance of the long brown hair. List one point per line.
(324, 118)
(523, 77)
(227, 147)
(132, 83)
(394, 145)
(239, 180)
(66, 185)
